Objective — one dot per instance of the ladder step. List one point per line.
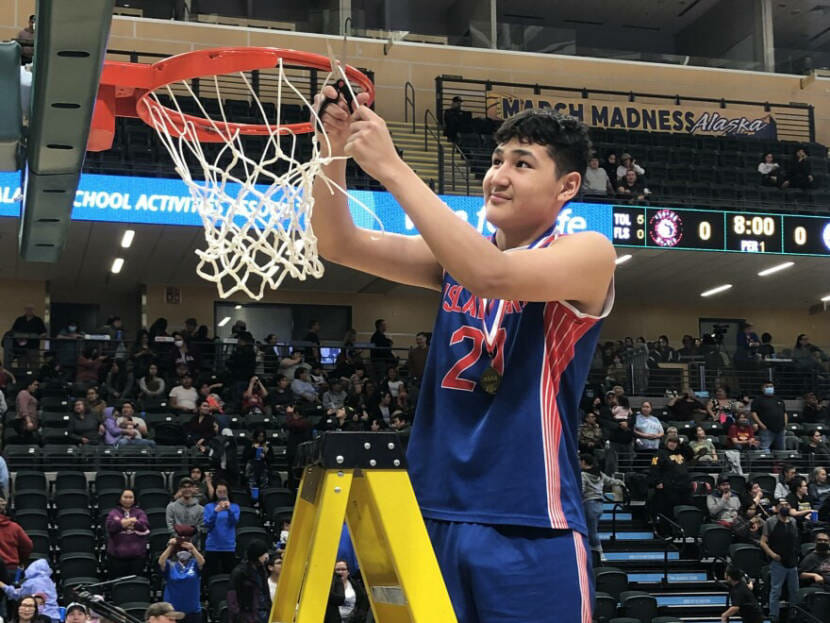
(389, 595)
(620, 517)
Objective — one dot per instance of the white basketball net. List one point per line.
(256, 219)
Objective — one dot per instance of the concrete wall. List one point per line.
(420, 64)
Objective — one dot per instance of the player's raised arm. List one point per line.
(405, 259)
(524, 191)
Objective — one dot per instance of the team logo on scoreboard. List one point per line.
(825, 236)
(665, 228)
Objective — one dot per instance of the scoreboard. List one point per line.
(705, 230)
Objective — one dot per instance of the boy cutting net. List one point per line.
(493, 452)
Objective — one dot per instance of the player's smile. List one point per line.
(498, 198)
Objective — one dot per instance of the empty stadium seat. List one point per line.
(148, 480)
(70, 480)
(747, 558)
(110, 480)
(135, 590)
(78, 564)
(605, 607)
(690, 518)
(72, 498)
(30, 480)
(154, 498)
(611, 580)
(157, 518)
(638, 605)
(30, 499)
(244, 536)
(715, 541)
(272, 498)
(33, 519)
(72, 541)
(73, 519)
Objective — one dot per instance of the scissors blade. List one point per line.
(342, 71)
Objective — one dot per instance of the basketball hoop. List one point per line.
(255, 207)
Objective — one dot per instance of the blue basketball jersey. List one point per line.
(510, 457)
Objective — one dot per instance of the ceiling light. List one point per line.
(717, 290)
(825, 299)
(117, 265)
(775, 269)
(127, 238)
(623, 259)
(224, 321)
(238, 307)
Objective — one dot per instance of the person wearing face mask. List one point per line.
(815, 568)
(780, 541)
(770, 416)
(221, 519)
(181, 352)
(181, 565)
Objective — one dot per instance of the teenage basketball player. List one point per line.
(493, 453)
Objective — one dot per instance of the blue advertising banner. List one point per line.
(160, 201)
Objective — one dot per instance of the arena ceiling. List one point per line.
(799, 24)
(164, 255)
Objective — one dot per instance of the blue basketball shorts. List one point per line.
(514, 574)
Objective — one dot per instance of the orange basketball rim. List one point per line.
(126, 90)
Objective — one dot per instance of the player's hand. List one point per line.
(337, 119)
(371, 146)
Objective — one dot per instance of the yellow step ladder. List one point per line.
(362, 478)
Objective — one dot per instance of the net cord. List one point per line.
(254, 237)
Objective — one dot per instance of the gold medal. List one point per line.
(490, 380)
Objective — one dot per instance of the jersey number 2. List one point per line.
(452, 379)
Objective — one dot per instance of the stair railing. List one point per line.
(432, 131)
(666, 542)
(617, 505)
(409, 103)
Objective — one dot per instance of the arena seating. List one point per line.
(687, 169)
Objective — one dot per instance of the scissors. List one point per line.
(341, 84)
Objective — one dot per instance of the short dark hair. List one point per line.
(733, 573)
(565, 137)
(299, 372)
(588, 458)
(378, 322)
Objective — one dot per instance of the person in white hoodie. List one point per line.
(594, 483)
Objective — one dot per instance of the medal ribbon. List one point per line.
(494, 308)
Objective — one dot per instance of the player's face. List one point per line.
(522, 187)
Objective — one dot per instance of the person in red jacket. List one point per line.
(15, 544)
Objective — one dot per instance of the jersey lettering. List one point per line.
(452, 379)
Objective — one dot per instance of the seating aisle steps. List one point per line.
(425, 161)
(683, 586)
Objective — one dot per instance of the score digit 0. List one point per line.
(800, 235)
(704, 230)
